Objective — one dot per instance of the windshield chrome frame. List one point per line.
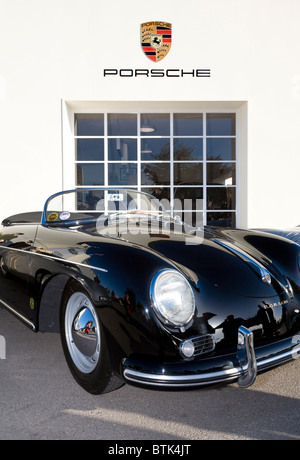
(44, 221)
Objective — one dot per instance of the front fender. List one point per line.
(129, 323)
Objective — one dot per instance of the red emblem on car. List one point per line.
(156, 39)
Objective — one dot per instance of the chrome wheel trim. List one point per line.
(82, 332)
(2, 266)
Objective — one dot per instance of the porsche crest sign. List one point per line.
(156, 39)
(156, 42)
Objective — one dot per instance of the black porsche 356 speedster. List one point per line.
(140, 297)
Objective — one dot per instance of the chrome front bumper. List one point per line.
(242, 367)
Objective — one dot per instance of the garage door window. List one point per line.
(187, 158)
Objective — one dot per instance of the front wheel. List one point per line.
(83, 342)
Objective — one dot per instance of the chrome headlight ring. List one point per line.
(172, 298)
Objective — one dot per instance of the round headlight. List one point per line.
(172, 298)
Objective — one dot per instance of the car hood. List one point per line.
(215, 258)
(219, 266)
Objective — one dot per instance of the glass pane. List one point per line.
(221, 198)
(90, 200)
(195, 219)
(155, 124)
(158, 192)
(220, 149)
(89, 149)
(123, 124)
(188, 198)
(220, 124)
(122, 174)
(221, 174)
(155, 174)
(122, 149)
(188, 149)
(188, 124)
(90, 174)
(221, 219)
(188, 173)
(155, 149)
(89, 125)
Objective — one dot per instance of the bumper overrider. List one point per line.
(241, 367)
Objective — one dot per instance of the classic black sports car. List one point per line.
(140, 297)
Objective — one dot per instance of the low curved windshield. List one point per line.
(76, 207)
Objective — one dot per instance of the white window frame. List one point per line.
(69, 110)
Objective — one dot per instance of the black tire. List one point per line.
(84, 346)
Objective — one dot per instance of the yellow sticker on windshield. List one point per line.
(52, 217)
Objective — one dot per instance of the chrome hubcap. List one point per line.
(82, 332)
(2, 266)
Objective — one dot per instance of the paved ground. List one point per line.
(40, 400)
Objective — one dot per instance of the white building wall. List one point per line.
(53, 53)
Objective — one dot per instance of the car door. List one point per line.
(16, 242)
